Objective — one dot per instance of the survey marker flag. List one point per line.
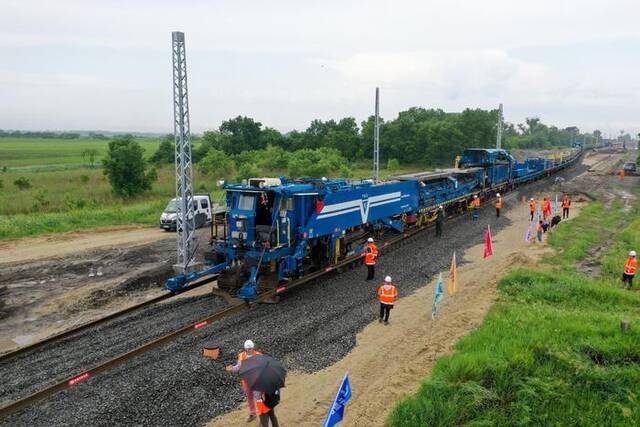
(437, 297)
(336, 412)
(453, 275)
(556, 208)
(488, 245)
(527, 237)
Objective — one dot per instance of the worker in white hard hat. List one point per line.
(532, 208)
(630, 269)
(370, 256)
(387, 294)
(475, 205)
(440, 216)
(498, 204)
(249, 351)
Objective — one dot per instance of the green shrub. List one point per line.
(84, 179)
(393, 165)
(316, 163)
(22, 183)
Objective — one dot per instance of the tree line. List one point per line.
(242, 147)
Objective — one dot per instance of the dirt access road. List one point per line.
(388, 362)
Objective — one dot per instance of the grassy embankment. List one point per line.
(66, 193)
(550, 351)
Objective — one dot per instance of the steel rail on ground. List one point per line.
(81, 376)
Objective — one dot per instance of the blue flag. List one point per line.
(336, 413)
(439, 295)
(556, 208)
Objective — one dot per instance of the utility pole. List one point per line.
(499, 133)
(376, 140)
(185, 221)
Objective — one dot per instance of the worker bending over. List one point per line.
(248, 352)
(370, 256)
(475, 204)
(387, 294)
(630, 269)
(498, 204)
(566, 205)
(532, 208)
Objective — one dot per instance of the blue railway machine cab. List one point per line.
(498, 165)
(277, 229)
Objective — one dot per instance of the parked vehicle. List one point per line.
(202, 209)
(629, 168)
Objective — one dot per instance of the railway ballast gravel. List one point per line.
(311, 328)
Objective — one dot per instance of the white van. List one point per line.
(202, 210)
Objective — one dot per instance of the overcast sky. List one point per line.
(107, 64)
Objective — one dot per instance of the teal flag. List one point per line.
(439, 295)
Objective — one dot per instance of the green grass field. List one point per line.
(38, 152)
(550, 352)
(67, 194)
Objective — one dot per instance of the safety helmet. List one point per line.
(632, 253)
(387, 279)
(475, 196)
(531, 199)
(370, 240)
(440, 207)
(497, 194)
(248, 345)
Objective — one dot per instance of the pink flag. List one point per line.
(488, 246)
(527, 238)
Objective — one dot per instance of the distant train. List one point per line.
(277, 229)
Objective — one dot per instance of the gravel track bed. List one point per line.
(30, 372)
(310, 329)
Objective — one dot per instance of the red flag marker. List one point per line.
(488, 246)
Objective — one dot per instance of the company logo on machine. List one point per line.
(362, 205)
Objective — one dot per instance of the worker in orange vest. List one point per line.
(566, 205)
(532, 207)
(475, 204)
(621, 173)
(630, 269)
(546, 208)
(387, 294)
(249, 351)
(370, 256)
(498, 204)
(265, 412)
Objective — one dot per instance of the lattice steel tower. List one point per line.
(499, 133)
(185, 218)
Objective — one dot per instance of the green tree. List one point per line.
(316, 163)
(217, 164)
(126, 168)
(243, 134)
(393, 165)
(247, 170)
(166, 151)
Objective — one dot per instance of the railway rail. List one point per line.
(69, 332)
(235, 307)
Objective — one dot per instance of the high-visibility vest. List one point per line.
(532, 206)
(369, 257)
(547, 208)
(631, 265)
(476, 202)
(566, 202)
(373, 248)
(261, 407)
(243, 355)
(499, 203)
(387, 294)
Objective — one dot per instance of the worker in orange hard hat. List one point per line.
(630, 269)
(370, 256)
(387, 294)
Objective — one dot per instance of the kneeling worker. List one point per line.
(387, 294)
